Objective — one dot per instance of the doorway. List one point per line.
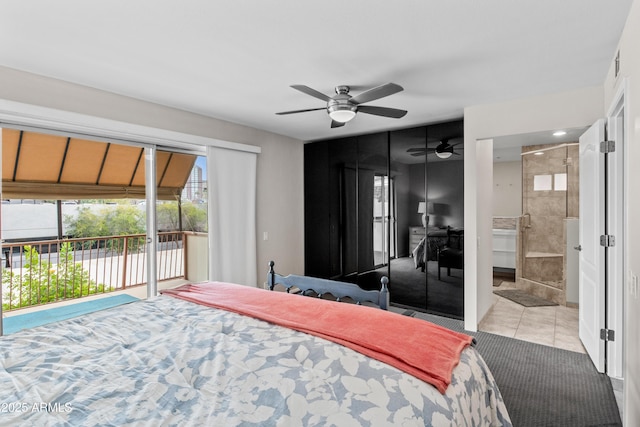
(601, 322)
(548, 325)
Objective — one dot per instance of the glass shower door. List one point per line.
(545, 209)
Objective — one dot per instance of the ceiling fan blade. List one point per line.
(300, 111)
(376, 93)
(382, 111)
(419, 154)
(410, 150)
(335, 124)
(312, 92)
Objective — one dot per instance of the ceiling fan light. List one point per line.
(444, 151)
(342, 116)
(340, 109)
(443, 154)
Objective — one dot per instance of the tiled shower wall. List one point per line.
(542, 240)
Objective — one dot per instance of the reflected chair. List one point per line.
(451, 255)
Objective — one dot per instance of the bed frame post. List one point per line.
(272, 276)
(384, 293)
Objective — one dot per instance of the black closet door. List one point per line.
(317, 220)
(408, 161)
(445, 210)
(330, 189)
(365, 220)
(373, 164)
(344, 225)
(343, 190)
(349, 235)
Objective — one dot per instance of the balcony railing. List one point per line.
(41, 272)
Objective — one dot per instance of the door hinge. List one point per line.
(607, 240)
(607, 147)
(607, 335)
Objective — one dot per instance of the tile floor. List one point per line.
(555, 326)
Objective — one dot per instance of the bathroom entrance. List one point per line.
(548, 228)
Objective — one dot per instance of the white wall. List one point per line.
(507, 188)
(33, 221)
(630, 70)
(198, 260)
(280, 203)
(576, 108)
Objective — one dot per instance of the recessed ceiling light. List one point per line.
(559, 133)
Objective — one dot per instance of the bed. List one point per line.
(428, 247)
(338, 291)
(177, 359)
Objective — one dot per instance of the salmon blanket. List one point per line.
(422, 349)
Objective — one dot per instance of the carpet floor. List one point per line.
(38, 318)
(541, 385)
(411, 287)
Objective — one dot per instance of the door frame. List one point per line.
(617, 224)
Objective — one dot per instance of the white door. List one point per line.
(591, 281)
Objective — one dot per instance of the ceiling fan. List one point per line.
(343, 107)
(444, 150)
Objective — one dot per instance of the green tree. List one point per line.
(122, 220)
(110, 221)
(194, 216)
(116, 220)
(41, 281)
(85, 224)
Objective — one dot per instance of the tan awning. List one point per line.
(41, 166)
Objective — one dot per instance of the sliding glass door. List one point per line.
(384, 232)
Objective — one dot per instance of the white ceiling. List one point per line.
(509, 148)
(235, 60)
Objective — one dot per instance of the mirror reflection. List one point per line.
(392, 204)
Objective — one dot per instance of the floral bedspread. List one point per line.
(166, 361)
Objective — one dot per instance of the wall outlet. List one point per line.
(265, 235)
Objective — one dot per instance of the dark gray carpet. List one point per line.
(412, 287)
(543, 386)
(523, 298)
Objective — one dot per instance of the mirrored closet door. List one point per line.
(387, 204)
